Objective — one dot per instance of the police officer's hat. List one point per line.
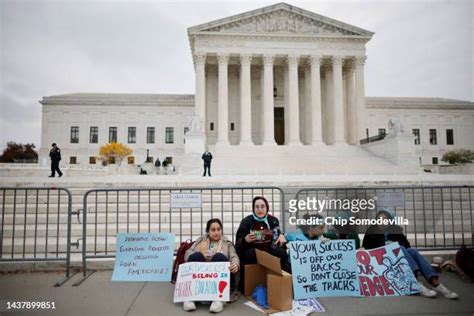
(53, 144)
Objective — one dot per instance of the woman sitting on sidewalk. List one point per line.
(378, 236)
(212, 247)
(260, 230)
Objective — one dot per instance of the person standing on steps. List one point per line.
(55, 155)
(207, 157)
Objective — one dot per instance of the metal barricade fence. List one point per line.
(440, 217)
(36, 225)
(107, 212)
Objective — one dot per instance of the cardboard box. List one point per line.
(268, 272)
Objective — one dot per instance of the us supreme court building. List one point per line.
(278, 90)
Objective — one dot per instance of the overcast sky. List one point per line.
(420, 48)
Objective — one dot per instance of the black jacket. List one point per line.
(248, 224)
(374, 236)
(207, 157)
(55, 154)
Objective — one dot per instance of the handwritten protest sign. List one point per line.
(202, 281)
(143, 257)
(324, 269)
(385, 271)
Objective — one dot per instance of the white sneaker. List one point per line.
(216, 307)
(426, 292)
(189, 306)
(445, 291)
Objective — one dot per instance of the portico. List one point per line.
(279, 75)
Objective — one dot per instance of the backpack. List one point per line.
(465, 261)
(185, 245)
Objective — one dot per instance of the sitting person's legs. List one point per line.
(250, 256)
(283, 255)
(418, 263)
(196, 257)
(219, 257)
(411, 261)
(424, 266)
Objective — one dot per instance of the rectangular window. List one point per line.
(169, 135)
(449, 137)
(433, 138)
(131, 160)
(416, 133)
(186, 129)
(169, 160)
(94, 135)
(92, 160)
(150, 135)
(111, 160)
(434, 160)
(132, 135)
(73, 160)
(382, 132)
(74, 134)
(211, 127)
(232, 126)
(112, 134)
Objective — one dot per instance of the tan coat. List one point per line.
(227, 250)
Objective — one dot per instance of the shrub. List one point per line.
(458, 156)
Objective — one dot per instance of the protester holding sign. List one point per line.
(347, 231)
(381, 235)
(212, 247)
(308, 232)
(260, 230)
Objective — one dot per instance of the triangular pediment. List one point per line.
(280, 19)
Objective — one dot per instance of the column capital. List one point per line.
(360, 60)
(293, 59)
(315, 60)
(200, 57)
(223, 58)
(337, 60)
(245, 59)
(268, 59)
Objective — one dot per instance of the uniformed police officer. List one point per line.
(55, 155)
(207, 157)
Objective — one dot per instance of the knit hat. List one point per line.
(390, 213)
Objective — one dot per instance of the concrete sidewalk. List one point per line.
(99, 296)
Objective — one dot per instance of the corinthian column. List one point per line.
(268, 120)
(339, 122)
(315, 101)
(361, 116)
(200, 88)
(223, 101)
(245, 101)
(293, 100)
(351, 110)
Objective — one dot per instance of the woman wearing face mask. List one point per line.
(260, 230)
(212, 247)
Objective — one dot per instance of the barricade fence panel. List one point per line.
(107, 212)
(35, 225)
(36, 222)
(439, 217)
